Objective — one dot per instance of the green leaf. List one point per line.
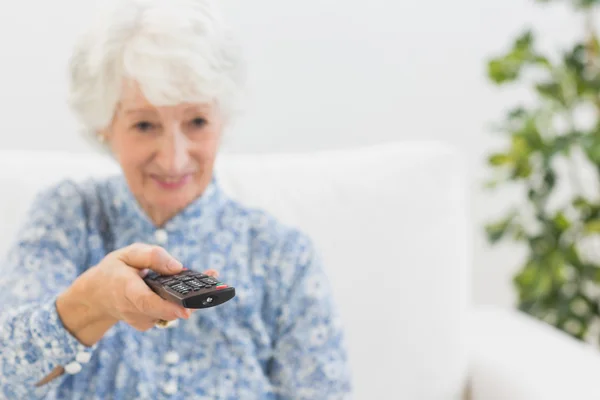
(499, 159)
(534, 282)
(549, 179)
(542, 61)
(524, 42)
(592, 226)
(526, 277)
(540, 246)
(502, 71)
(592, 150)
(491, 184)
(542, 285)
(584, 208)
(522, 170)
(552, 91)
(520, 148)
(496, 231)
(572, 255)
(580, 202)
(560, 144)
(528, 133)
(587, 3)
(518, 233)
(517, 113)
(576, 57)
(561, 223)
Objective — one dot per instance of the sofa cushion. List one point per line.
(390, 222)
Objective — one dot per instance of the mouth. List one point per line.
(171, 182)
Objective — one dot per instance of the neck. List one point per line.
(159, 217)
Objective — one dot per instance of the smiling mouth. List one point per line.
(171, 182)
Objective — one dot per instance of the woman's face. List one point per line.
(167, 153)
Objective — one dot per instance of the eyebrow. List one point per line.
(138, 110)
(192, 109)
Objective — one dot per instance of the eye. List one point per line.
(198, 122)
(144, 126)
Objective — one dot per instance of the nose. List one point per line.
(173, 155)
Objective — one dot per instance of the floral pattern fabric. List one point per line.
(279, 338)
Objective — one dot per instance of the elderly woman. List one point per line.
(156, 82)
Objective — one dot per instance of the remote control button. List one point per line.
(221, 287)
(195, 284)
(180, 285)
(181, 288)
(73, 368)
(83, 357)
(170, 387)
(161, 236)
(171, 357)
(210, 281)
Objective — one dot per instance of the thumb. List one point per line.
(212, 272)
(144, 256)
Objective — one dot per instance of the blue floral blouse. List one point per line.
(279, 338)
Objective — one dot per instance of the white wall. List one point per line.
(324, 74)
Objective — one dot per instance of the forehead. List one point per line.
(132, 100)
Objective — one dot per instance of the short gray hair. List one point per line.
(176, 50)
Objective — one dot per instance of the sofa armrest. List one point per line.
(516, 357)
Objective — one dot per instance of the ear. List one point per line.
(104, 135)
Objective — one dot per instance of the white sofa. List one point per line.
(391, 222)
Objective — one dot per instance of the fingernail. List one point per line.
(174, 265)
(181, 314)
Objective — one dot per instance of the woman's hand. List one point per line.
(114, 291)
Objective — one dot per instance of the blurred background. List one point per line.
(325, 74)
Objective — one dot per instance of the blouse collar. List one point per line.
(128, 214)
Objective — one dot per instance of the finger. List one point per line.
(138, 320)
(211, 272)
(146, 302)
(144, 256)
(142, 326)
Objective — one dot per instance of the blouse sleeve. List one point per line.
(42, 262)
(310, 359)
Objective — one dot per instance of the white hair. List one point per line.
(176, 51)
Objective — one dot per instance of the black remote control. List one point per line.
(190, 289)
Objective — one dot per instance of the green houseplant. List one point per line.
(547, 146)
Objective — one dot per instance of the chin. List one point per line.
(174, 201)
(176, 196)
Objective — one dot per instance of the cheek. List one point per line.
(204, 155)
(133, 157)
